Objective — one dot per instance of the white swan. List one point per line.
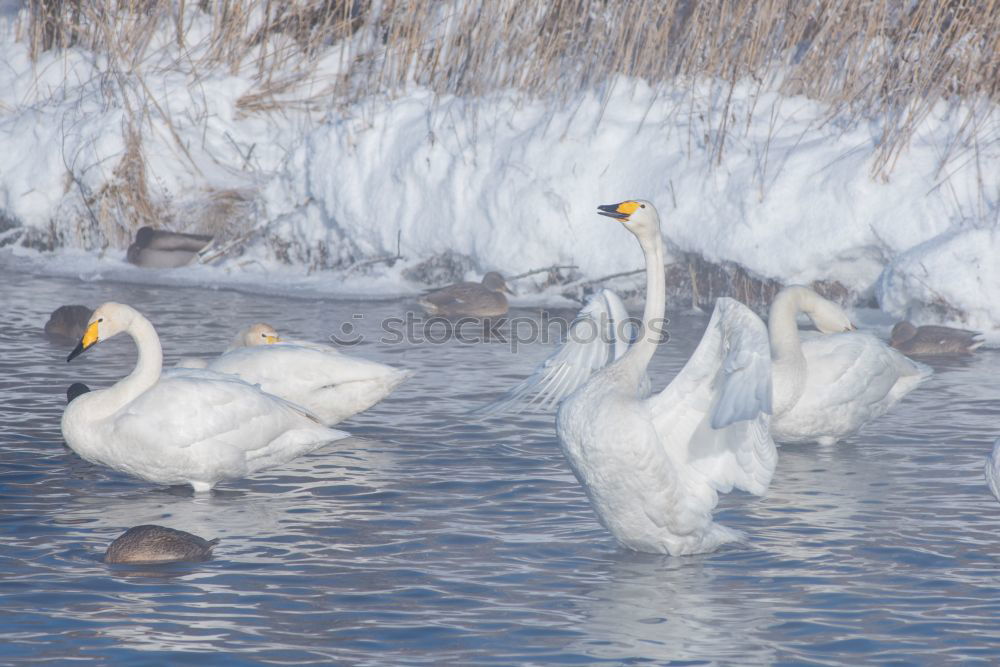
(653, 467)
(260, 333)
(826, 387)
(190, 427)
(332, 385)
(993, 470)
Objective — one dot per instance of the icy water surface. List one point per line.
(430, 539)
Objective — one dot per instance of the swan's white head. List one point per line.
(636, 215)
(259, 334)
(826, 315)
(110, 319)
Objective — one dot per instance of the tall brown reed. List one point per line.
(889, 59)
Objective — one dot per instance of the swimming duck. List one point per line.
(67, 323)
(332, 385)
(652, 467)
(159, 249)
(158, 544)
(186, 427)
(933, 341)
(826, 387)
(485, 299)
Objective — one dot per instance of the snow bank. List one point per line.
(511, 184)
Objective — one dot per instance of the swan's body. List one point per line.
(66, 324)
(332, 385)
(159, 249)
(188, 427)
(653, 467)
(158, 544)
(485, 299)
(993, 470)
(934, 341)
(826, 387)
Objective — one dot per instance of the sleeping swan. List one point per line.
(826, 387)
(189, 427)
(260, 333)
(653, 467)
(332, 385)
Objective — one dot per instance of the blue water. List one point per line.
(429, 539)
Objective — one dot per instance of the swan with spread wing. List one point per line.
(653, 466)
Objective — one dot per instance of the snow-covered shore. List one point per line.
(510, 184)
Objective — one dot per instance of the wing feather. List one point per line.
(599, 334)
(714, 415)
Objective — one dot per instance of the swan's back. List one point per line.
(335, 386)
(852, 378)
(308, 366)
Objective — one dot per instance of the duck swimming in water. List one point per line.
(160, 249)
(485, 299)
(151, 544)
(934, 341)
(66, 324)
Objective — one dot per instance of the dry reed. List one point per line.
(891, 59)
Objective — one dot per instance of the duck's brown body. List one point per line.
(934, 341)
(485, 299)
(158, 544)
(158, 249)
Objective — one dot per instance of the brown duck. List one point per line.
(159, 249)
(158, 544)
(485, 299)
(933, 341)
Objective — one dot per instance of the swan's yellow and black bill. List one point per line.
(618, 211)
(271, 339)
(89, 338)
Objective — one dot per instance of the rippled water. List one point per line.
(430, 539)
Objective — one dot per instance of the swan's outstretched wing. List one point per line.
(713, 417)
(600, 333)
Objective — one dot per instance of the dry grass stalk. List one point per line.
(889, 59)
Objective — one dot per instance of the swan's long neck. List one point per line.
(147, 369)
(788, 363)
(636, 360)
